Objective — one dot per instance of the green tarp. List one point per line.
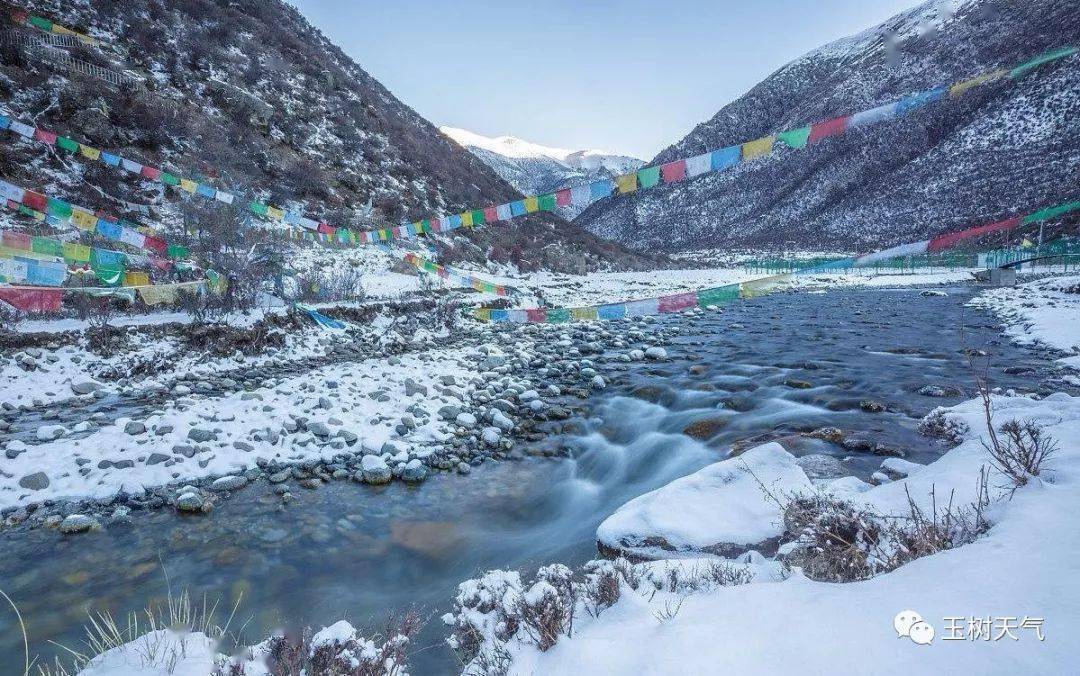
(47, 245)
(59, 208)
(64, 143)
(546, 202)
(1051, 212)
(40, 22)
(648, 177)
(718, 296)
(795, 138)
(1028, 66)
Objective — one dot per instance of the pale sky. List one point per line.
(631, 76)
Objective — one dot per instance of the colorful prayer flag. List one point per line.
(674, 171)
(758, 147)
(89, 152)
(724, 158)
(828, 128)
(795, 138)
(698, 165)
(188, 185)
(151, 173)
(532, 205)
(627, 183)
(564, 198)
(546, 202)
(648, 176)
(45, 136)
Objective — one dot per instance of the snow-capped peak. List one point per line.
(516, 148)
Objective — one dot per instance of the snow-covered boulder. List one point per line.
(721, 510)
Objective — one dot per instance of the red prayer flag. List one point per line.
(828, 128)
(538, 314)
(155, 244)
(950, 239)
(33, 300)
(674, 171)
(16, 240)
(562, 198)
(45, 136)
(491, 214)
(35, 200)
(325, 229)
(151, 173)
(680, 301)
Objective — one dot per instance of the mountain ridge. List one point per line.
(999, 149)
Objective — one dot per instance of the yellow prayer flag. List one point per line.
(83, 220)
(189, 185)
(483, 314)
(275, 213)
(88, 152)
(136, 279)
(960, 87)
(626, 183)
(532, 205)
(758, 147)
(466, 219)
(583, 313)
(158, 294)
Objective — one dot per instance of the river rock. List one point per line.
(200, 435)
(190, 502)
(466, 420)
(85, 387)
(374, 470)
(38, 481)
(134, 427)
(228, 483)
(656, 353)
(414, 471)
(51, 432)
(77, 523)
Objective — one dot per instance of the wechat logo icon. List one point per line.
(911, 624)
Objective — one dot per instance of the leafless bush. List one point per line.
(547, 608)
(669, 611)
(837, 540)
(1023, 452)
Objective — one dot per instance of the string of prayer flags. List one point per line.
(457, 276)
(645, 178)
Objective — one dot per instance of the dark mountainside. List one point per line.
(249, 94)
(999, 150)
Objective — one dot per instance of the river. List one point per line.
(768, 368)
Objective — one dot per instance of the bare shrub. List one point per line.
(670, 610)
(1022, 453)
(837, 541)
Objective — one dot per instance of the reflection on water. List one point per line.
(360, 552)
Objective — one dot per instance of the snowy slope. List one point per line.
(533, 168)
(999, 150)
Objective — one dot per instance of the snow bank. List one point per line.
(158, 653)
(721, 509)
(1044, 312)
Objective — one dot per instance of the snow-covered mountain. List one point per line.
(533, 168)
(998, 150)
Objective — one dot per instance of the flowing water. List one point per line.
(359, 552)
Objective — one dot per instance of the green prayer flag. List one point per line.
(648, 177)
(558, 316)
(478, 217)
(40, 22)
(718, 295)
(59, 208)
(169, 179)
(177, 251)
(47, 245)
(64, 143)
(425, 225)
(795, 138)
(1028, 66)
(257, 208)
(25, 210)
(546, 202)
